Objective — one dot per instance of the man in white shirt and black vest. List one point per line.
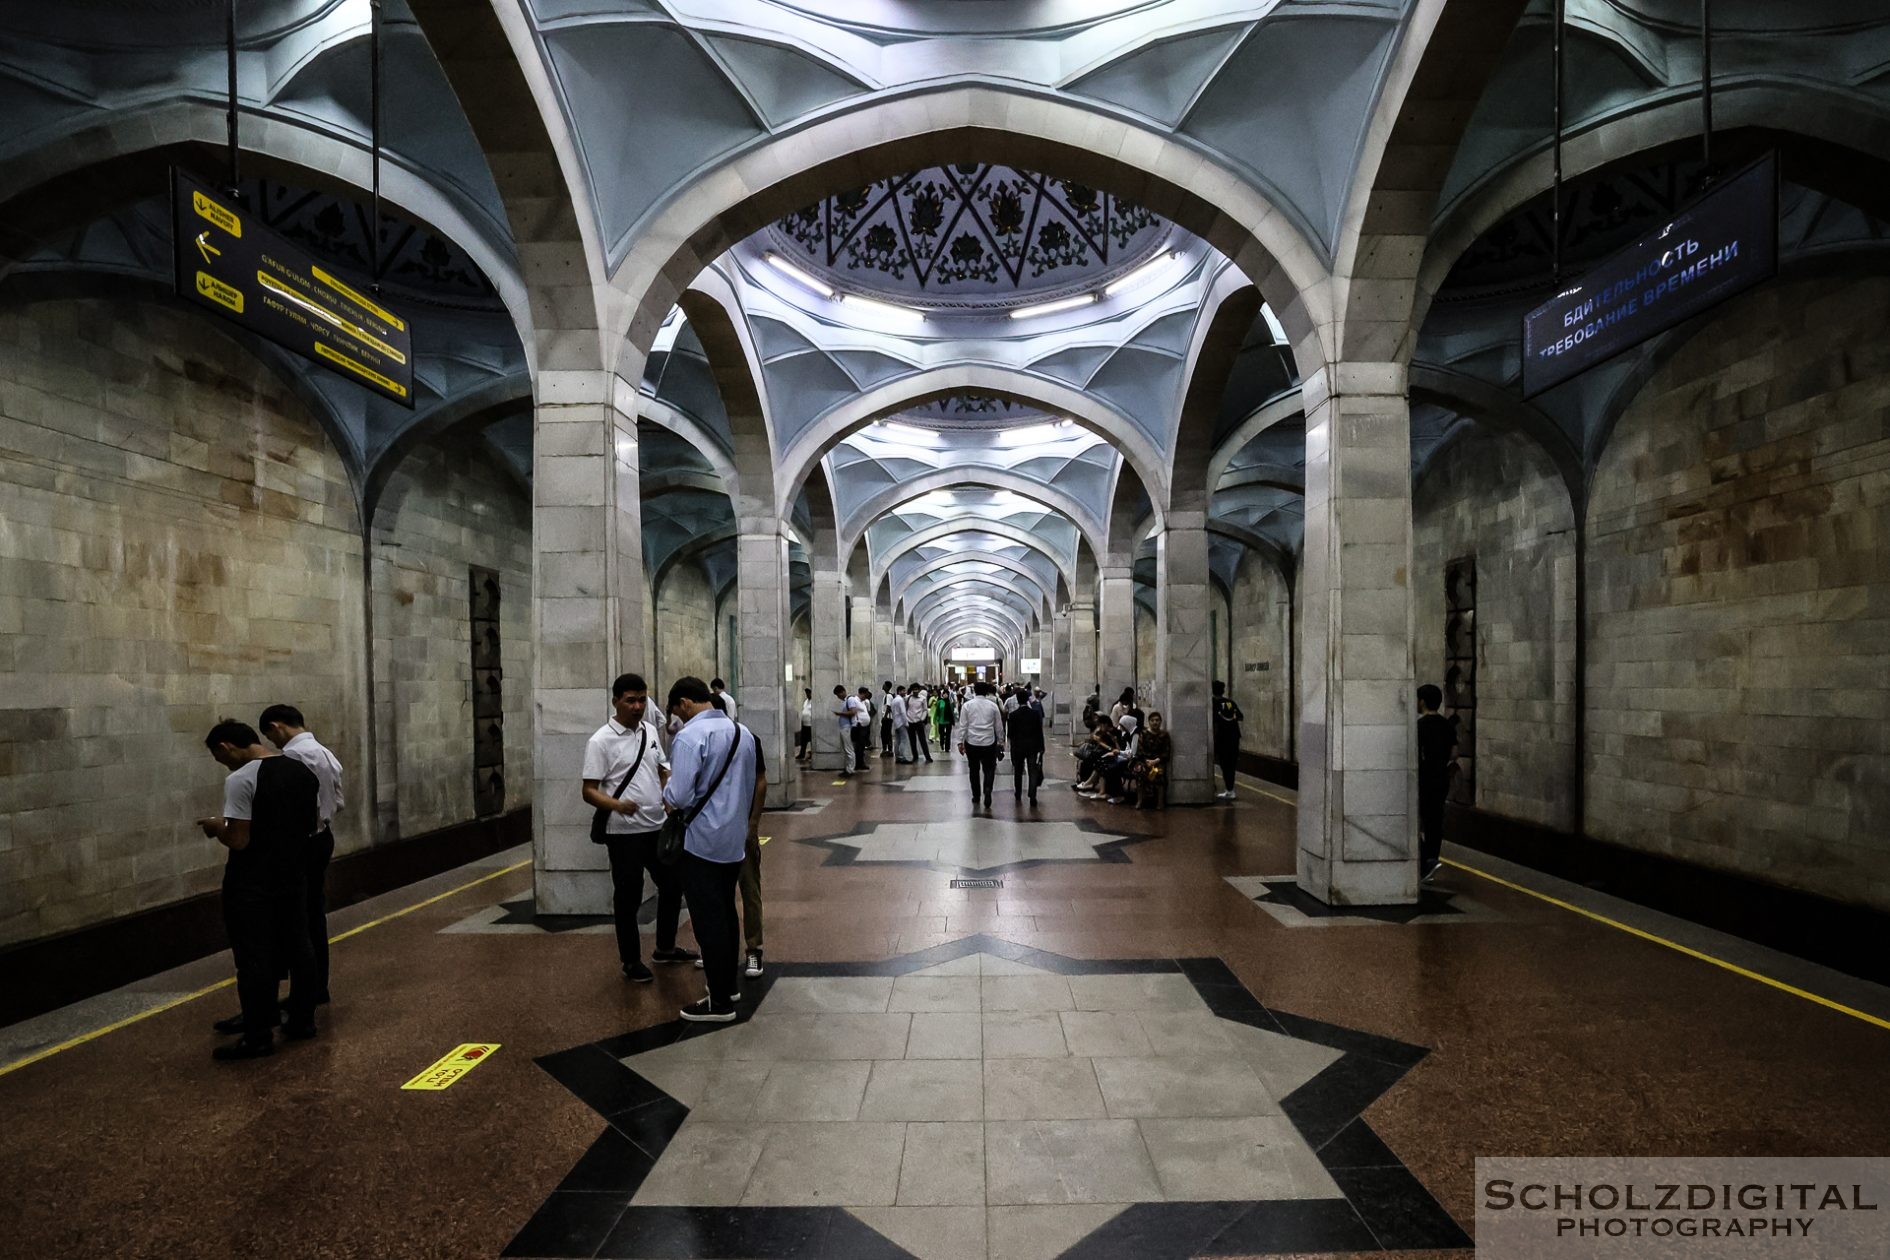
(283, 726)
(625, 771)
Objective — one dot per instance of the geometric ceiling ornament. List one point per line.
(969, 231)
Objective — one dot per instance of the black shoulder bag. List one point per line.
(669, 841)
(601, 819)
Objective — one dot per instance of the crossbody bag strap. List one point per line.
(716, 782)
(642, 748)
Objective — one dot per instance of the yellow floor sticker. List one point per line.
(455, 1064)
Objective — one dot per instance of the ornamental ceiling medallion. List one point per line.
(971, 230)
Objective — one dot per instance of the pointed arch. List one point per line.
(1048, 497)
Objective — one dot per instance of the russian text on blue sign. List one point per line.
(1722, 244)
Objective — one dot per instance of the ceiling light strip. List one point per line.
(795, 274)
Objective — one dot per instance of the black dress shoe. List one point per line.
(638, 972)
(676, 954)
(243, 1050)
(234, 1024)
(299, 1032)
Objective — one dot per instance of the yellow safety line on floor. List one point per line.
(1689, 951)
(96, 1033)
(1284, 800)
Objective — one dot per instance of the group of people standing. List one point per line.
(280, 799)
(700, 779)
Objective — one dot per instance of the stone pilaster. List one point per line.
(1083, 676)
(1357, 753)
(827, 629)
(587, 536)
(901, 654)
(860, 647)
(1059, 686)
(882, 657)
(1182, 652)
(1115, 667)
(761, 579)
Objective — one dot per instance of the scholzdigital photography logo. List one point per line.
(1681, 1208)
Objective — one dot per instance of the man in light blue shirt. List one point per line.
(721, 841)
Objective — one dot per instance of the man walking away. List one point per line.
(717, 781)
(1227, 720)
(720, 698)
(270, 810)
(980, 736)
(1025, 724)
(282, 725)
(1436, 746)
(942, 716)
(624, 772)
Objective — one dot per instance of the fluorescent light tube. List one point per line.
(1147, 271)
(794, 273)
(1051, 308)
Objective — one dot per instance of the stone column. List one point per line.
(826, 617)
(882, 656)
(587, 536)
(1059, 687)
(761, 578)
(1082, 618)
(1182, 654)
(860, 647)
(1357, 744)
(901, 653)
(1115, 668)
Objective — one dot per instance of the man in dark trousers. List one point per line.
(1024, 723)
(981, 740)
(625, 768)
(284, 726)
(270, 814)
(1227, 720)
(717, 781)
(1436, 746)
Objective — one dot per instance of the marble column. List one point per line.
(1083, 677)
(1059, 687)
(1115, 667)
(1183, 651)
(882, 656)
(761, 578)
(901, 654)
(860, 647)
(1357, 743)
(587, 535)
(826, 616)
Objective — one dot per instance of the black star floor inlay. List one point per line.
(974, 846)
(738, 1180)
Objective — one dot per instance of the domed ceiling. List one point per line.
(970, 410)
(970, 234)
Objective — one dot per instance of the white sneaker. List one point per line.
(1223, 796)
(753, 968)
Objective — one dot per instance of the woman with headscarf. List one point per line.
(1115, 766)
(1148, 773)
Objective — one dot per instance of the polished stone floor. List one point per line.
(1128, 1047)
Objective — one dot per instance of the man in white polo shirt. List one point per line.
(625, 770)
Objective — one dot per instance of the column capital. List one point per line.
(1390, 380)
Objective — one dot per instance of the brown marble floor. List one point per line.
(1548, 1034)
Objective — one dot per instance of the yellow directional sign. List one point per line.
(454, 1064)
(247, 273)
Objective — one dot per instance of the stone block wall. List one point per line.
(1739, 597)
(178, 542)
(685, 627)
(447, 508)
(1497, 497)
(1145, 638)
(1258, 619)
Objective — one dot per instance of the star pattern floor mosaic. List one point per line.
(986, 1099)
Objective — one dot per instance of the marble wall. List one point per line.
(178, 542)
(1261, 682)
(1739, 597)
(1497, 497)
(685, 628)
(446, 508)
